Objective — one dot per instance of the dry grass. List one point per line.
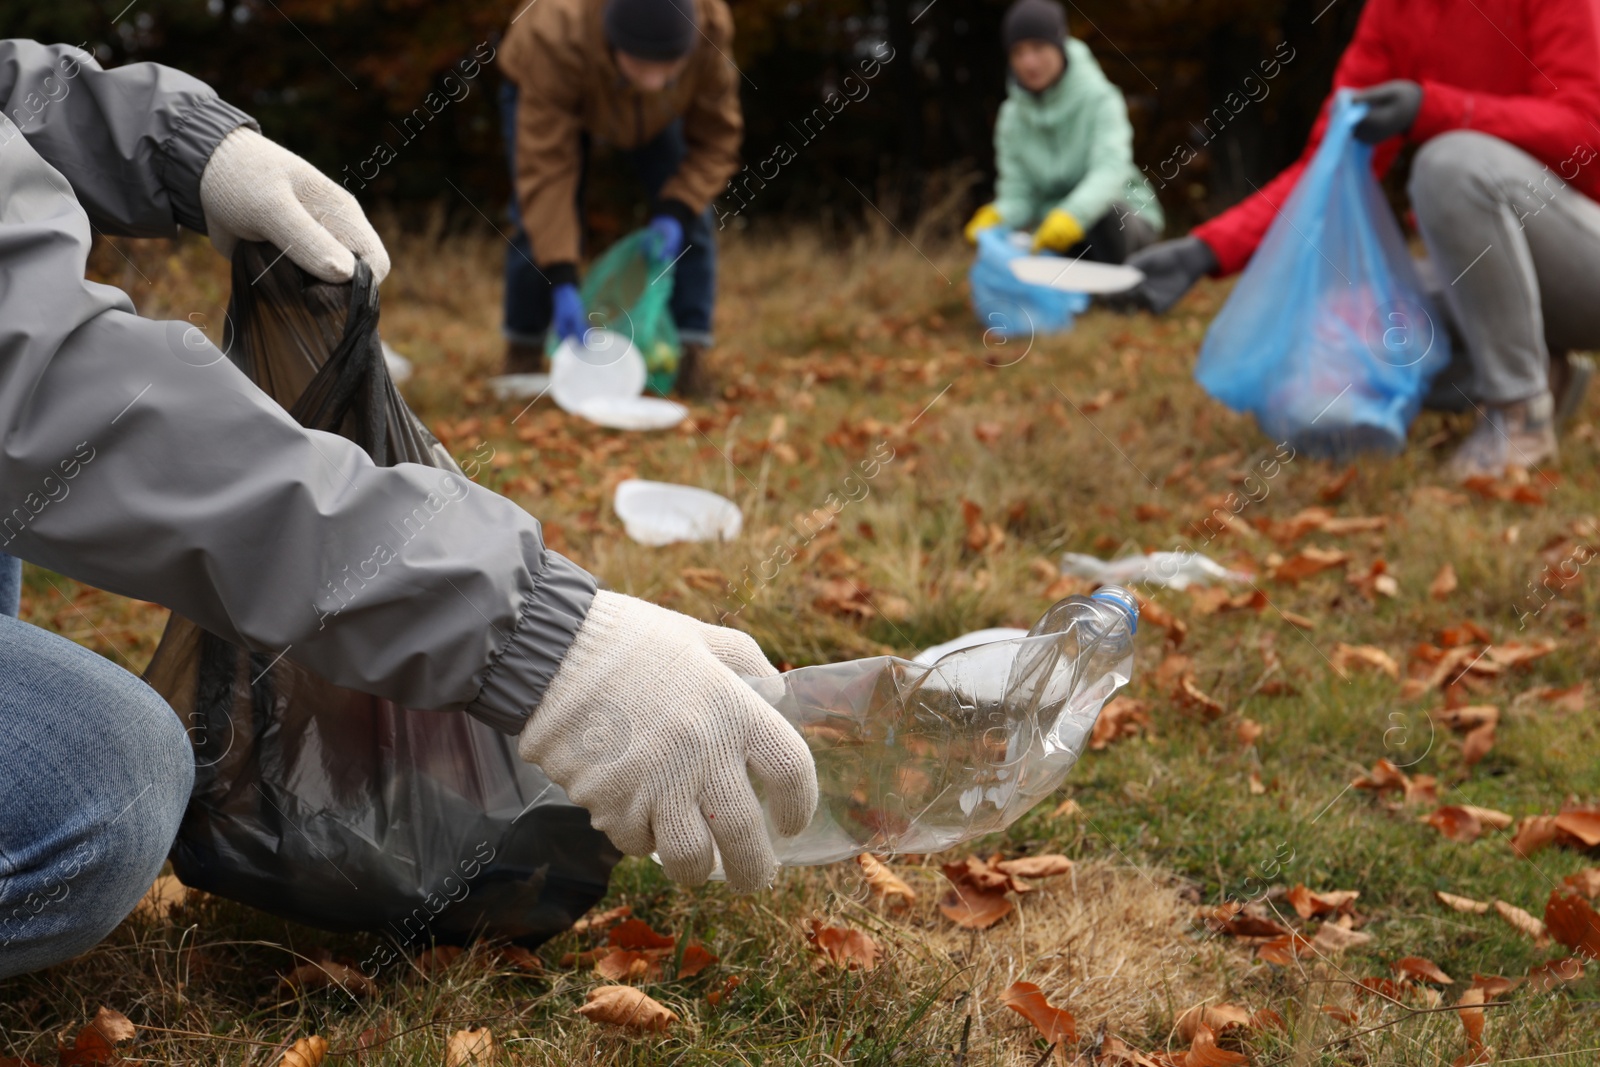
(1096, 441)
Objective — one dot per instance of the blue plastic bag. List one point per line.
(1329, 338)
(1008, 306)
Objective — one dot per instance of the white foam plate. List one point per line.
(604, 365)
(1076, 275)
(660, 513)
(519, 386)
(634, 412)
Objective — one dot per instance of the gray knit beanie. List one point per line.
(1034, 20)
(651, 29)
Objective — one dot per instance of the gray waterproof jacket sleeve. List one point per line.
(135, 458)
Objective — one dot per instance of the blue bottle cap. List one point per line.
(1115, 594)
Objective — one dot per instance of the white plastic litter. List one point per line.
(605, 365)
(660, 513)
(1175, 570)
(519, 386)
(634, 412)
(934, 653)
(399, 366)
(1076, 275)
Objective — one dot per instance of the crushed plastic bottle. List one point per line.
(920, 758)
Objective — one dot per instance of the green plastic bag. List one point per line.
(627, 291)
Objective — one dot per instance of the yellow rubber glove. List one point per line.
(985, 217)
(1058, 232)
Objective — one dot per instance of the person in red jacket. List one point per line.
(1503, 97)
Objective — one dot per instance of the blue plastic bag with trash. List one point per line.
(1329, 339)
(1008, 306)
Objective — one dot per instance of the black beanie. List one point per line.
(1034, 20)
(651, 29)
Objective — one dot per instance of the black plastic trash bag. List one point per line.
(332, 807)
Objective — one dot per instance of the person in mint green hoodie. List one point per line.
(1064, 147)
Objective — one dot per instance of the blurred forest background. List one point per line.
(334, 79)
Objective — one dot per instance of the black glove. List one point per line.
(1170, 268)
(1391, 109)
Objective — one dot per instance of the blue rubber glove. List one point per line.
(664, 238)
(568, 318)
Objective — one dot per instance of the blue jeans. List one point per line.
(95, 771)
(694, 278)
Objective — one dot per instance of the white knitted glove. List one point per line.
(255, 190)
(647, 725)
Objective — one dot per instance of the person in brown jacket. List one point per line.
(652, 78)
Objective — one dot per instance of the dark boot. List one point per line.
(693, 381)
(524, 358)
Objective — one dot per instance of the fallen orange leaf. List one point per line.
(1203, 1052)
(982, 874)
(469, 1048)
(1455, 822)
(1310, 904)
(1444, 583)
(1383, 777)
(1332, 937)
(1586, 881)
(1191, 696)
(1285, 950)
(1365, 655)
(1028, 1000)
(883, 882)
(310, 977)
(636, 934)
(1573, 923)
(1423, 970)
(97, 1042)
(1516, 653)
(1307, 562)
(1477, 744)
(1493, 985)
(696, 958)
(1583, 825)
(845, 947)
(1471, 1014)
(630, 965)
(1046, 866)
(1218, 1017)
(729, 984)
(1115, 1051)
(600, 920)
(1334, 488)
(518, 958)
(622, 1005)
(1122, 717)
(1546, 976)
(1533, 833)
(1521, 921)
(973, 908)
(166, 894)
(306, 1052)
(1468, 718)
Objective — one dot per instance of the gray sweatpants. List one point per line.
(1515, 257)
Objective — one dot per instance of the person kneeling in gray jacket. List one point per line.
(132, 461)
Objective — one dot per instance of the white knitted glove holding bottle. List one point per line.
(255, 190)
(647, 725)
